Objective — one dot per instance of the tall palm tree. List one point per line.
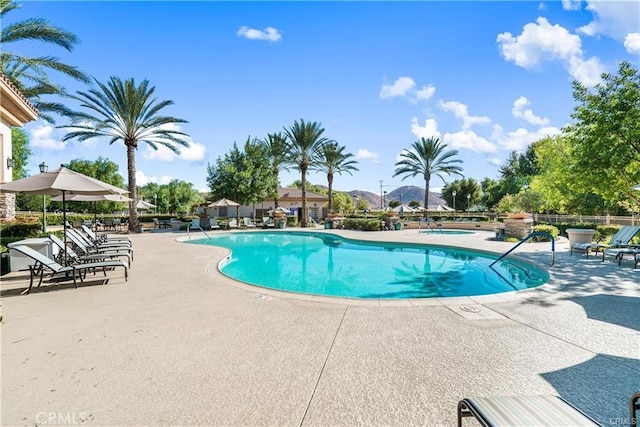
(29, 74)
(304, 142)
(428, 157)
(122, 111)
(333, 160)
(276, 147)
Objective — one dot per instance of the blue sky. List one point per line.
(485, 77)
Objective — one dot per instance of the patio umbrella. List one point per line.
(222, 203)
(281, 210)
(61, 182)
(93, 198)
(143, 206)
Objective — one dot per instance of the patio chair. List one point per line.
(267, 222)
(103, 238)
(90, 249)
(619, 253)
(214, 223)
(67, 253)
(42, 262)
(89, 242)
(540, 411)
(246, 221)
(233, 223)
(621, 238)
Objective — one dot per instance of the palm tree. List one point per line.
(122, 111)
(332, 159)
(276, 147)
(428, 157)
(29, 74)
(304, 142)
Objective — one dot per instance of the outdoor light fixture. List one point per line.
(43, 168)
(468, 202)
(10, 163)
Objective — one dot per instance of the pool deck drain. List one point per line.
(475, 312)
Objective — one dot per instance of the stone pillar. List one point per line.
(7, 206)
(518, 227)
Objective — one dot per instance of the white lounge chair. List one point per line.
(247, 223)
(233, 223)
(77, 259)
(621, 238)
(214, 223)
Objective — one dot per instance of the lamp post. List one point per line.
(355, 202)
(155, 202)
(43, 168)
(468, 202)
(400, 199)
(384, 199)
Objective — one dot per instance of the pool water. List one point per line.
(327, 264)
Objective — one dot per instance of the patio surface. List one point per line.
(181, 344)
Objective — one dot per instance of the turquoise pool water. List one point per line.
(327, 264)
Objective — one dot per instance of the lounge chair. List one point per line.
(214, 223)
(42, 262)
(233, 223)
(247, 223)
(90, 249)
(619, 253)
(267, 223)
(103, 238)
(67, 253)
(545, 410)
(621, 238)
(89, 242)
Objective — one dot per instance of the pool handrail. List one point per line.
(195, 224)
(534, 234)
(428, 224)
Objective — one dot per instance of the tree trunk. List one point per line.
(303, 187)
(426, 193)
(131, 170)
(275, 199)
(330, 182)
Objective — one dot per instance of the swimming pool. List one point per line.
(328, 264)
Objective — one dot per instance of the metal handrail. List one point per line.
(428, 223)
(534, 234)
(194, 225)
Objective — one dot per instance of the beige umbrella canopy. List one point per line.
(61, 182)
(143, 206)
(222, 203)
(94, 198)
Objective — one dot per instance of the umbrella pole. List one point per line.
(64, 226)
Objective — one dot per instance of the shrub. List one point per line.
(361, 224)
(545, 228)
(20, 229)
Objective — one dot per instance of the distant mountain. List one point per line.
(402, 194)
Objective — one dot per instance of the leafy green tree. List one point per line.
(150, 192)
(275, 146)
(414, 204)
(314, 188)
(342, 202)
(468, 193)
(393, 203)
(242, 176)
(606, 134)
(491, 193)
(427, 158)
(122, 111)
(20, 153)
(304, 140)
(30, 74)
(333, 160)
(181, 197)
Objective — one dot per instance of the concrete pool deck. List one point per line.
(181, 344)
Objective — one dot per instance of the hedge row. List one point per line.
(361, 224)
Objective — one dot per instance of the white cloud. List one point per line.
(542, 6)
(364, 154)
(195, 150)
(399, 88)
(461, 112)
(469, 140)
(527, 115)
(430, 128)
(165, 179)
(425, 93)
(632, 43)
(520, 139)
(571, 4)
(494, 161)
(42, 137)
(142, 179)
(270, 34)
(541, 41)
(615, 19)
